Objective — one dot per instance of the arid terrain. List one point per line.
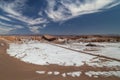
(60, 57)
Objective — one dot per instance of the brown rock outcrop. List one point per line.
(49, 37)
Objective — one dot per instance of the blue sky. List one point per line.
(60, 17)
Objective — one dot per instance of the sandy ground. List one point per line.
(14, 69)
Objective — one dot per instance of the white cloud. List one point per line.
(14, 10)
(56, 10)
(35, 29)
(13, 7)
(10, 25)
(44, 25)
(67, 9)
(18, 26)
(32, 22)
(29, 21)
(5, 18)
(4, 24)
(6, 28)
(37, 21)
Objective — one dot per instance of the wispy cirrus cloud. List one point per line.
(35, 29)
(12, 7)
(60, 10)
(5, 18)
(29, 21)
(55, 10)
(14, 10)
(6, 27)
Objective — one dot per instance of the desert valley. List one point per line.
(59, 39)
(47, 57)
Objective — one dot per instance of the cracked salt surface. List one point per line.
(104, 73)
(74, 74)
(106, 49)
(97, 62)
(55, 73)
(40, 72)
(45, 54)
(94, 74)
(50, 73)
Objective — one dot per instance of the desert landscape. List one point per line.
(59, 39)
(48, 57)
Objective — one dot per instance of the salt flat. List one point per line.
(111, 50)
(39, 53)
(45, 54)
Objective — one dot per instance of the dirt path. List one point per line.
(14, 69)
